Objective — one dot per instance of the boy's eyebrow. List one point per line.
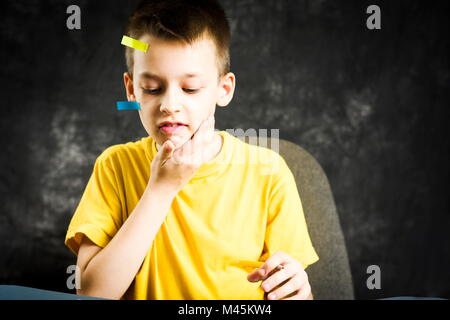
(151, 76)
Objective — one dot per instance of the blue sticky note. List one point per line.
(128, 105)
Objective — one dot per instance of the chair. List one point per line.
(330, 277)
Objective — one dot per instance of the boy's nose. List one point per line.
(170, 103)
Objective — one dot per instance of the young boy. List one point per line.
(175, 215)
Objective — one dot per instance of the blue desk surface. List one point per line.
(8, 292)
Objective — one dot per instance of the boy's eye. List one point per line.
(155, 91)
(151, 91)
(191, 90)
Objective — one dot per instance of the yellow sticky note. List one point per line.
(135, 44)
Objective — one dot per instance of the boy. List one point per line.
(174, 215)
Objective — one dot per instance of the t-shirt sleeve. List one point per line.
(98, 215)
(286, 229)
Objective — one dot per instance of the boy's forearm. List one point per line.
(112, 270)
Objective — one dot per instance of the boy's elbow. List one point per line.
(97, 294)
(85, 288)
(89, 288)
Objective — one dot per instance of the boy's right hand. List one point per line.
(173, 168)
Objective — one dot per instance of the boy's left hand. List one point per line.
(292, 279)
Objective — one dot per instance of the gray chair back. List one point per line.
(330, 277)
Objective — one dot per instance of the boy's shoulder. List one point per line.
(260, 152)
(129, 150)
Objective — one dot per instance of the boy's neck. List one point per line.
(217, 145)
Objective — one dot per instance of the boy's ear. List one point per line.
(128, 82)
(226, 89)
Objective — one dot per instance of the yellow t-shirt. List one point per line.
(236, 207)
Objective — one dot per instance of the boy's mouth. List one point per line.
(168, 127)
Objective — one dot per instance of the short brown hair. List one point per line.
(181, 20)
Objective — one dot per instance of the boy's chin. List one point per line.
(177, 140)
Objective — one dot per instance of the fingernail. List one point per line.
(266, 287)
(272, 296)
(262, 272)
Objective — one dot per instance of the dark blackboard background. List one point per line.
(371, 106)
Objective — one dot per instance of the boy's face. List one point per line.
(178, 83)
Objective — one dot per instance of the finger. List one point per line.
(292, 296)
(305, 292)
(192, 151)
(203, 131)
(182, 147)
(274, 280)
(166, 151)
(195, 135)
(177, 142)
(203, 139)
(184, 153)
(302, 294)
(256, 275)
(278, 258)
(292, 285)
